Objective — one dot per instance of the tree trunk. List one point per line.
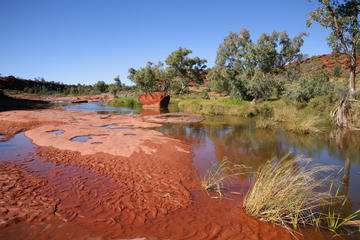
(342, 112)
(352, 86)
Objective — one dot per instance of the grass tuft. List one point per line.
(286, 192)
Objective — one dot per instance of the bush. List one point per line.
(336, 71)
(260, 86)
(205, 94)
(131, 102)
(310, 86)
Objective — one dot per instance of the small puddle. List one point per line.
(129, 134)
(85, 138)
(110, 126)
(2, 136)
(57, 132)
(127, 126)
(81, 139)
(96, 143)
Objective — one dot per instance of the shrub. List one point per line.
(131, 102)
(310, 86)
(205, 94)
(260, 86)
(336, 71)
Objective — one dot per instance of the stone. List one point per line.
(154, 100)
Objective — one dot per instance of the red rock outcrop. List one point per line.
(154, 100)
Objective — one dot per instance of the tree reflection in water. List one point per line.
(241, 143)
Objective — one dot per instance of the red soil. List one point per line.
(22, 197)
(326, 63)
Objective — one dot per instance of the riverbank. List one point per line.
(305, 118)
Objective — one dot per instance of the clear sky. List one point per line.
(84, 41)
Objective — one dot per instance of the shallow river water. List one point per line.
(241, 143)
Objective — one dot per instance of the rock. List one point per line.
(154, 100)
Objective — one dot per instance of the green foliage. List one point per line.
(310, 86)
(244, 68)
(336, 71)
(341, 17)
(41, 87)
(260, 86)
(131, 102)
(180, 70)
(149, 78)
(205, 94)
(115, 87)
(334, 216)
(183, 69)
(100, 86)
(232, 100)
(224, 107)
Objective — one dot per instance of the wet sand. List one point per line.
(142, 184)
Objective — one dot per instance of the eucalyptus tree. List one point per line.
(100, 86)
(183, 69)
(149, 78)
(243, 67)
(115, 87)
(341, 17)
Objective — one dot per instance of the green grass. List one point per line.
(131, 102)
(312, 117)
(224, 107)
(298, 119)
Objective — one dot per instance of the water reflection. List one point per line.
(101, 108)
(241, 143)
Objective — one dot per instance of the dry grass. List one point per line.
(287, 192)
(297, 121)
(213, 181)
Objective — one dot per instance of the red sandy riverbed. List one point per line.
(136, 183)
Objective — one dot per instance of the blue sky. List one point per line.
(84, 41)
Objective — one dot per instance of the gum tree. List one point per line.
(149, 78)
(243, 67)
(182, 69)
(341, 17)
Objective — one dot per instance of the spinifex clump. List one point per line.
(287, 192)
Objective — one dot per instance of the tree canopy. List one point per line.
(180, 70)
(243, 67)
